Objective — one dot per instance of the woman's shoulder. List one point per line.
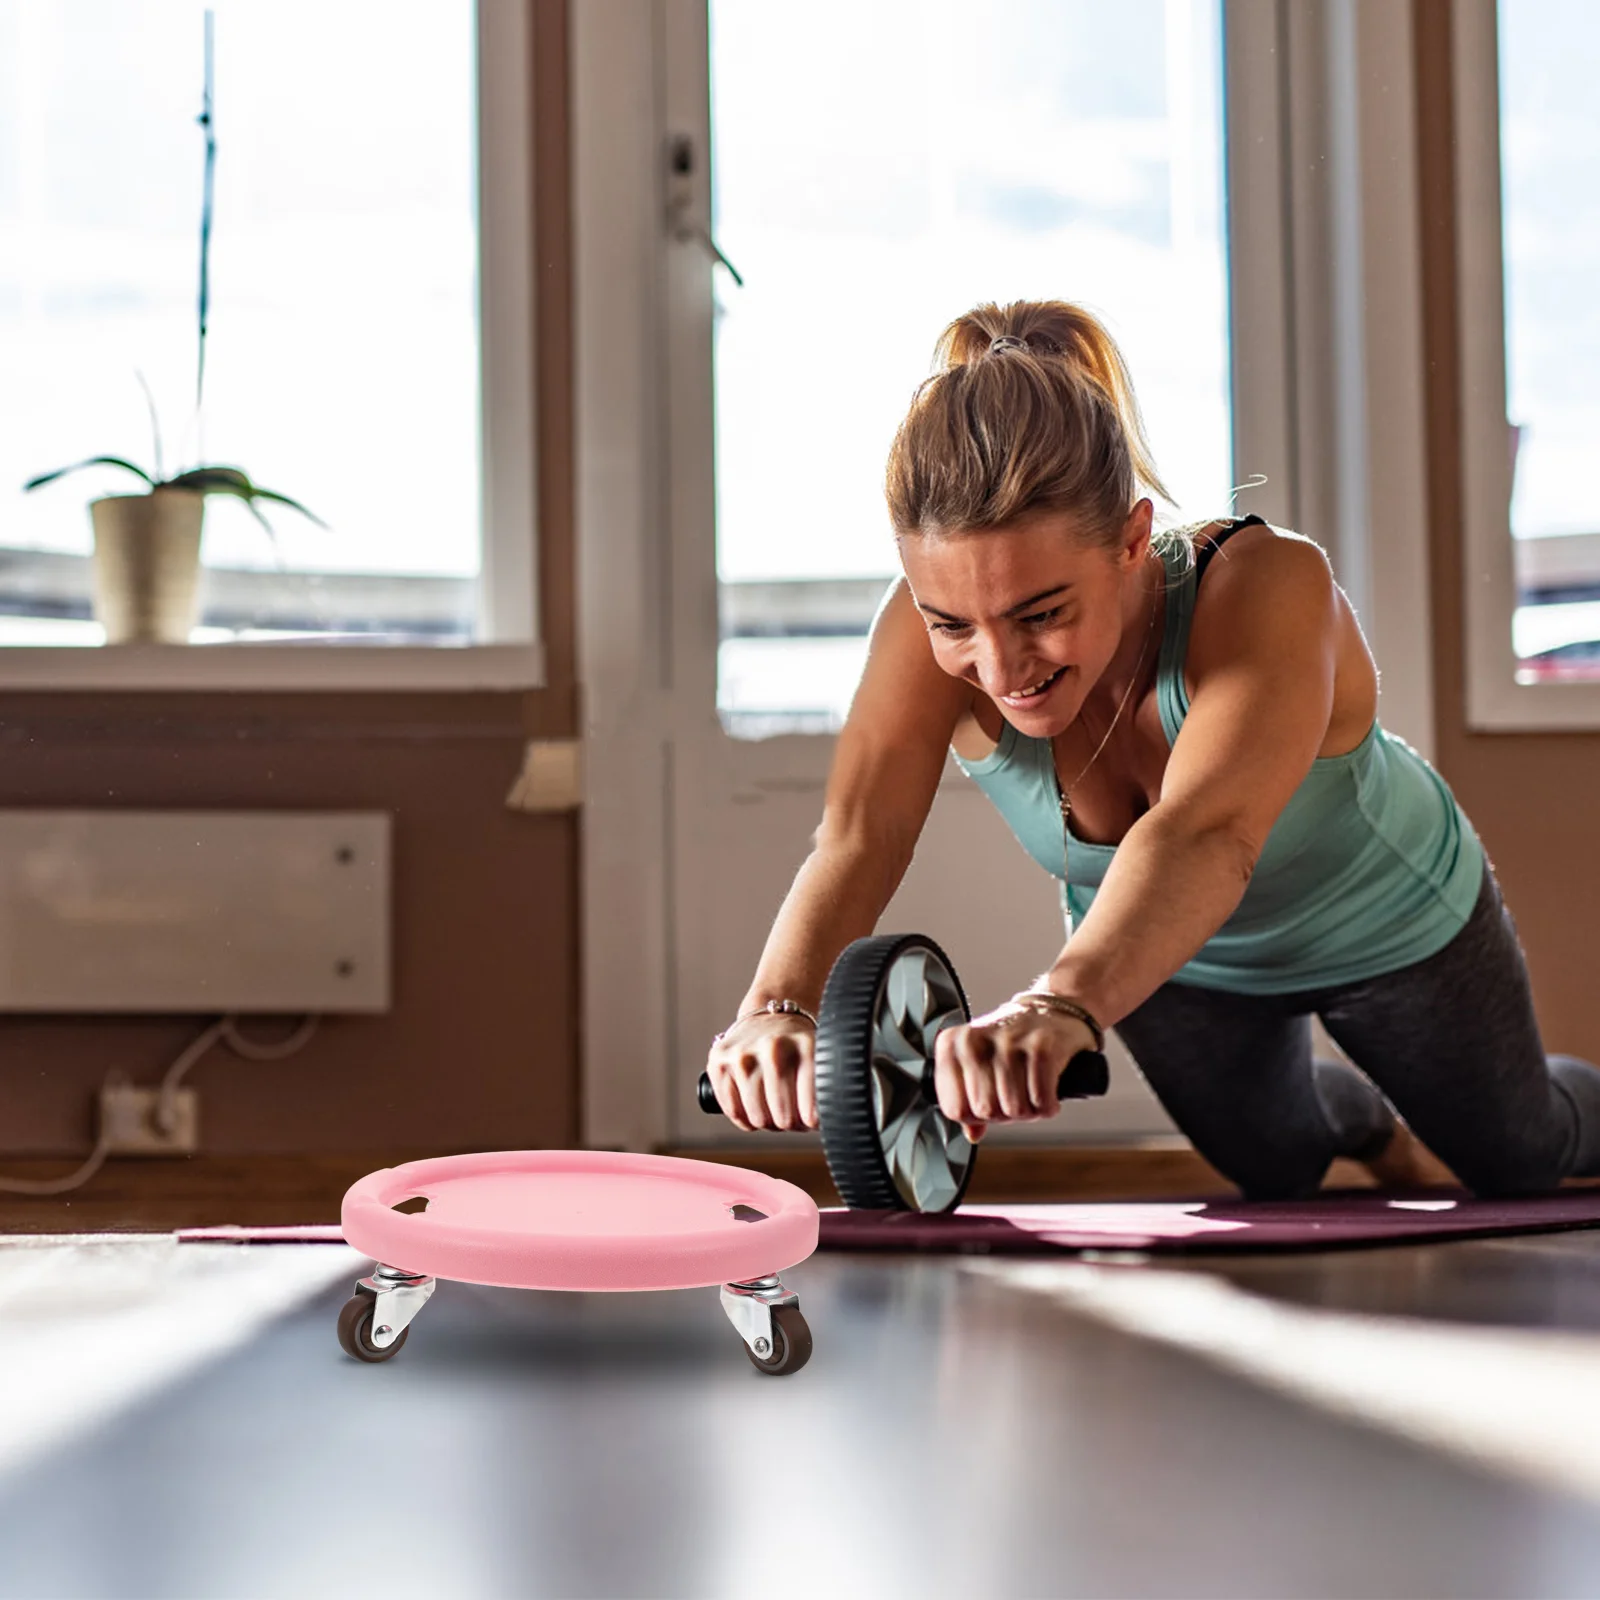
(1266, 593)
(1254, 585)
(1215, 545)
(1258, 564)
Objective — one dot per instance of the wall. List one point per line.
(1531, 796)
(480, 1049)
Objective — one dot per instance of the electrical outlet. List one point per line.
(128, 1121)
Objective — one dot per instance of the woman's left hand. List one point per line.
(1003, 1067)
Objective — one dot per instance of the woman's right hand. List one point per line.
(764, 1071)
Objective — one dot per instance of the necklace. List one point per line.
(1064, 793)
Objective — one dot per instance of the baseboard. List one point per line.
(279, 1190)
(158, 1195)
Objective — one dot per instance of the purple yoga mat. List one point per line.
(1336, 1218)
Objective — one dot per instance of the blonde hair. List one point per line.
(1046, 420)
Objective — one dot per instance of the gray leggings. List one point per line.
(1451, 1041)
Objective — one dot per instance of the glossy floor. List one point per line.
(953, 1435)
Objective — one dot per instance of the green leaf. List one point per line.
(256, 512)
(293, 505)
(230, 480)
(93, 461)
(214, 480)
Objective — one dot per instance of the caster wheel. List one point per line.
(889, 1147)
(791, 1338)
(355, 1331)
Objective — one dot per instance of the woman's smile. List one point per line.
(1032, 695)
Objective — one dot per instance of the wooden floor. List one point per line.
(952, 1436)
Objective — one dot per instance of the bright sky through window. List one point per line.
(1550, 155)
(881, 165)
(1550, 211)
(342, 363)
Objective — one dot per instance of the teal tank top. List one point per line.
(1371, 866)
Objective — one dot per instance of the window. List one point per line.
(367, 348)
(1550, 152)
(1043, 149)
(1528, 141)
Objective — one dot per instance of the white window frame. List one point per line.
(1327, 303)
(511, 655)
(1496, 702)
(1328, 404)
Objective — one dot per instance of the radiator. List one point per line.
(194, 911)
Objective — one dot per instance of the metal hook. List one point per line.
(680, 162)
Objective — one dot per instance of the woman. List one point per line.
(1181, 726)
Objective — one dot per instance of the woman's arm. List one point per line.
(1262, 656)
(885, 772)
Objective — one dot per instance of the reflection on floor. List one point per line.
(965, 1429)
(1540, 1281)
(90, 1323)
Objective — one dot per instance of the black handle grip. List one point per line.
(1086, 1077)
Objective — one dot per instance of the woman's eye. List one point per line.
(1039, 618)
(948, 628)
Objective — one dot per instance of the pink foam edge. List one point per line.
(580, 1219)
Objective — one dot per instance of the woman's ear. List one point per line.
(1136, 534)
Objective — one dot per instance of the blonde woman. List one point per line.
(1182, 727)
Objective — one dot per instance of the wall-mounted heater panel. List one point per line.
(194, 911)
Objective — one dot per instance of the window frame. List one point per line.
(509, 652)
(1495, 701)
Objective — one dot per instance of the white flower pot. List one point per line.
(146, 566)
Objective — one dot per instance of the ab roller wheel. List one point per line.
(888, 1145)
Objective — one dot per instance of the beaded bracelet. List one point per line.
(775, 1008)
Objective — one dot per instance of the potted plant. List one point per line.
(146, 565)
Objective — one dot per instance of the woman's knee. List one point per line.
(1273, 1174)
(1512, 1179)
(1512, 1167)
(1538, 1155)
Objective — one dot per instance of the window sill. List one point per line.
(268, 667)
(1497, 703)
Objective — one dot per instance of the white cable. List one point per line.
(166, 1113)
(225, 1030)
(74, 1180)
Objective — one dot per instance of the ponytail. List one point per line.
(1031, 408)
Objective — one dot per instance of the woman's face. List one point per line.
(1030, 613)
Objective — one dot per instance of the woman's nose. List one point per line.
(997, 663)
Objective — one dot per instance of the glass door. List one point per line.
(843, 179)
(878, 167)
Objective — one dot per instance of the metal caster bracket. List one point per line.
(399, 1296)
(750, 1306)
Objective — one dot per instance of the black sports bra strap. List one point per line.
(1217, 541)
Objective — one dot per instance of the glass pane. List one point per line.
(1550, 153)
(878, 170)
(341, 356)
